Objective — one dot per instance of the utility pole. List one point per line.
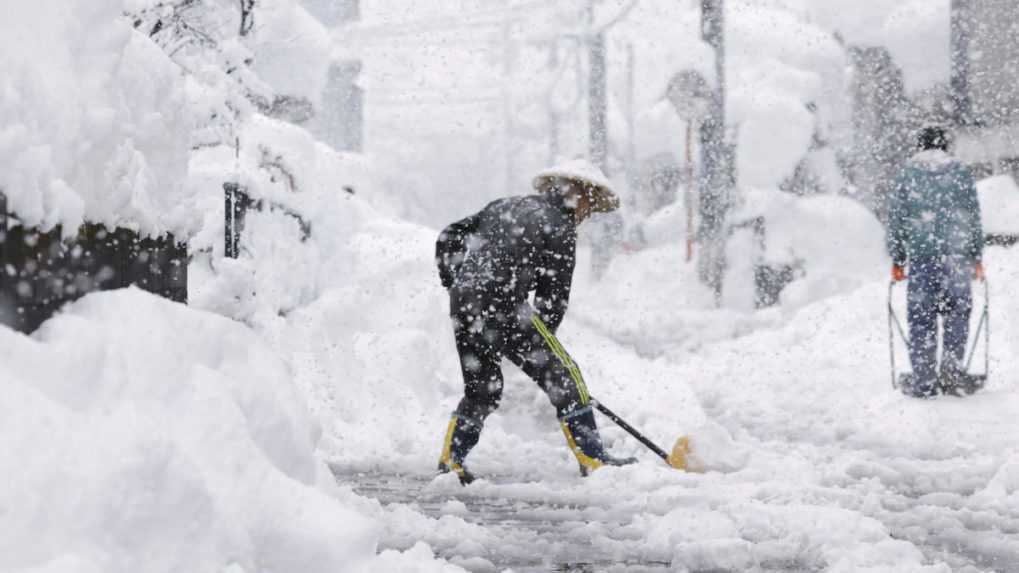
(507, 103)
(688, 183)
(553, 114)
(718, 170)
(597, 97)
(962, 104)
(631, 119)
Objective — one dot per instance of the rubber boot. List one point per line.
(951, 377)
(585, 442)
(461, 435)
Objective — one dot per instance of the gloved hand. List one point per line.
(898, 273)
(978, 271)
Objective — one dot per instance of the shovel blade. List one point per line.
(684, 458)
(679, 458)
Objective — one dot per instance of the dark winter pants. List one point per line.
(938, 287)
(484, 336)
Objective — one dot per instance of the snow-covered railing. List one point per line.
(769, 278)
(43, 270)
(237, 205)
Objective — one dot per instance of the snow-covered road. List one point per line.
(817, 464)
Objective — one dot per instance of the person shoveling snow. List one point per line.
(490, 262)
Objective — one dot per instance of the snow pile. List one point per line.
(141, 445)
(95, 122)
(778, 64)
(999, 204)
(374, 346)
(99, 121)
(292, 50)
(779, 61)
(295, 245)
(835, 241)
(173, 442)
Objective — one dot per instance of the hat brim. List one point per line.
(603, 199)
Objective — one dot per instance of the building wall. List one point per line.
(994, 61)
(986, 83)
(340, 119)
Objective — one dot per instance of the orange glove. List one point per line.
(898, 273)
(978, 271)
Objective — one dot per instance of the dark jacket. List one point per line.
(933, 212)
(510, 248)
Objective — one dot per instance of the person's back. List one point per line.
(934, 226)
(934, 212)
(510, 248)
(517, 240)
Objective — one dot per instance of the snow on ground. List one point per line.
(141, 435)
(173, 442)
(816, 462)
(999, 203)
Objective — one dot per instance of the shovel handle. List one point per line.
(630, 430)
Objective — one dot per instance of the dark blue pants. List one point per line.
(938, 287)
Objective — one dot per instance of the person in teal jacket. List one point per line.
(934, 228)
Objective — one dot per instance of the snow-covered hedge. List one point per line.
(999, 204)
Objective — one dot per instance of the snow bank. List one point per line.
(282, 267)
(139, 435)
(95, 123)
(999, 204)
(375, 346)
(778, 63)
(839, 244)
(292, 49)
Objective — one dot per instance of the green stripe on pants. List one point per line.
(560, 352)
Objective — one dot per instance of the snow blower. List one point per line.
(969, 382)
(679, 458)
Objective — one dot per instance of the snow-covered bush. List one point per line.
(95, 122)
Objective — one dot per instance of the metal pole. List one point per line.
(553, 115)
(718, 174)
(507, 104)
(688, 183)
(3, 232)
(960, 86)
(597, 96)
(631, 120)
